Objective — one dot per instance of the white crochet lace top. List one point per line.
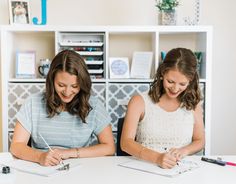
(161, 130)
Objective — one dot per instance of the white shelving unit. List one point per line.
(113, 41)
(88, 45)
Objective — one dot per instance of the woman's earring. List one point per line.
(161, 78)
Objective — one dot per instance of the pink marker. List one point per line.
(231, 163)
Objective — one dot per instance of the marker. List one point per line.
(214, 161)
(231, 163)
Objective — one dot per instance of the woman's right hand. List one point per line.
(50, 158)
(166, 160)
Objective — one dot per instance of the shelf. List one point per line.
(40, 80)
(86, 44)
(130, 80)
(85, 53)
(202, 80)
(90, 62)
(99, 71)
(99, 80)
(36, 80)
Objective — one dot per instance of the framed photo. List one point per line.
(188, 12)
(25, 64)
(19, 11)
(119, 67)
(141, 65)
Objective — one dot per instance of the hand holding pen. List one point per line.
(50, 158)
(178, 153)
(171, 157)
(166, 160)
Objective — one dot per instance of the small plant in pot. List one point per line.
(167, 11)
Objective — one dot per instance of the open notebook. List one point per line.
(182, 167)
(34, 168)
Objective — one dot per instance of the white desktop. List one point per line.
(107, 170)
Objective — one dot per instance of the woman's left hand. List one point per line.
(64, 153)
(178, 153)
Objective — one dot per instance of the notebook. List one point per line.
(35, 168)
(182, 167)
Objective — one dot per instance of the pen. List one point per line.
(46, 143)
(214, 161)
(48, 146)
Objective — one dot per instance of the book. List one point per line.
(35, 168)
(182, 167)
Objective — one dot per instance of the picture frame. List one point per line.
(19, 12)
(141, 65)
(188, 12)
(26, 64)
(119, 67)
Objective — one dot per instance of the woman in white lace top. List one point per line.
(166, 124)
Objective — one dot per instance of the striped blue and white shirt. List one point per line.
(63, 130)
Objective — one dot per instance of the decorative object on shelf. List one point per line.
(44, 14)
(141, 65)
(44, 67)
(119, 67)
(189, 12)
(168, 14)
(199, 61)
(19, 11)
(25, 64)
(163, 55)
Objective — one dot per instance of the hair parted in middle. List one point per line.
(185, 62)
(71, 62)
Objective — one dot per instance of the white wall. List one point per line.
(220, 14)
(224, 73)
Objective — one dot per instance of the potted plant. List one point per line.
(167, 11)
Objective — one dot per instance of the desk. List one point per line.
(105, 170)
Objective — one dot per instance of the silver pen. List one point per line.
(49, 146)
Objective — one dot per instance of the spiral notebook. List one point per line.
(182, 167)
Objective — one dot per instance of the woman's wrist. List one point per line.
(77, 153)
(141, 152)
(157, 159)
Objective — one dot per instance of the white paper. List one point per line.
(141, 65)
(184, 166)
(35, 168)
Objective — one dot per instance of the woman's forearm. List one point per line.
(96, 150)
(133, 148)
(22, 151)
(194, 147)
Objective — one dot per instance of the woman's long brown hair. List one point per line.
(185, 62)
(71, 62)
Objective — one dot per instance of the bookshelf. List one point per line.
(97, 44)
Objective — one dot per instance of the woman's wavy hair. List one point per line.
(71, 62)
(184, 61)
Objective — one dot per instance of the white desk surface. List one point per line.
(105, 170)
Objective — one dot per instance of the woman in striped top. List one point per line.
(63, 120)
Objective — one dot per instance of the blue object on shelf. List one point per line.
(163, 55)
